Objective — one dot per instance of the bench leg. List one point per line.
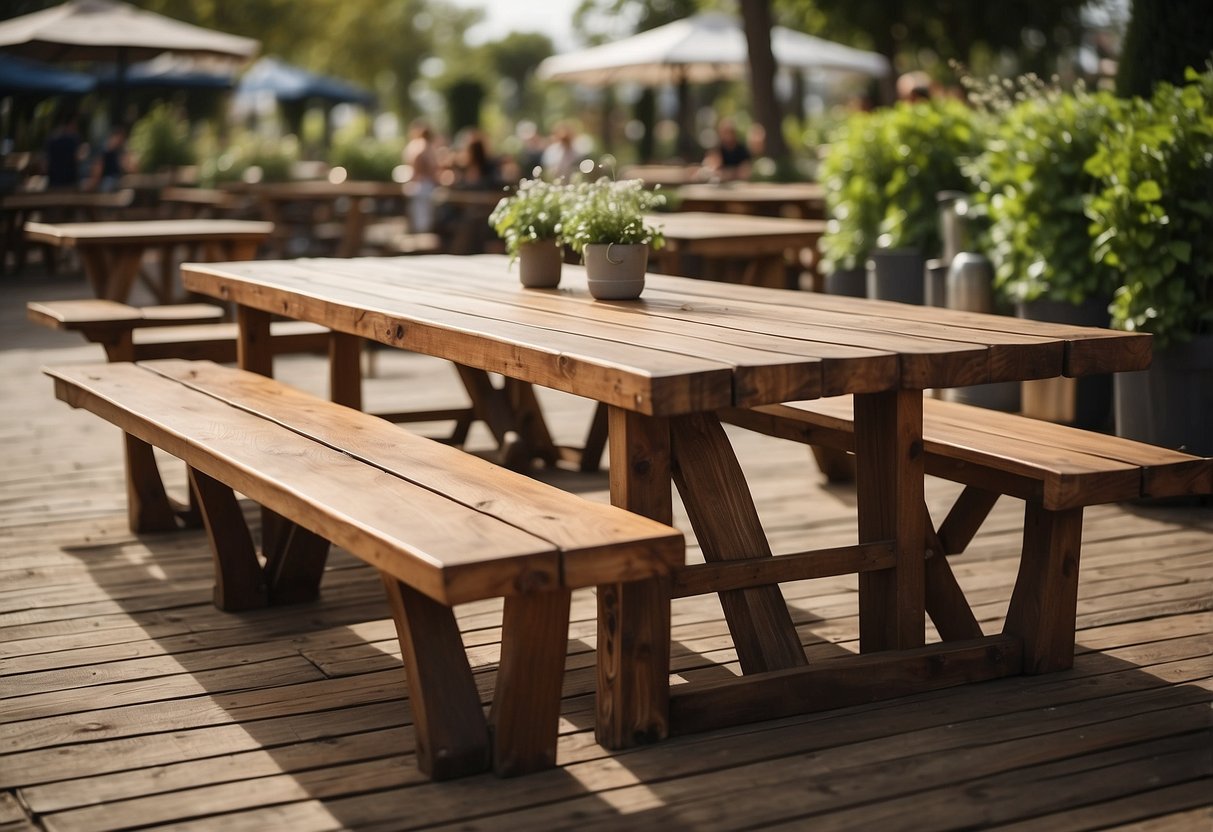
(526, 705)
(147, 505)
(239, 580)
(969, 511)
(945, 600)
(294, 570)
(452, 735)
(1045, 599)
(727, 526)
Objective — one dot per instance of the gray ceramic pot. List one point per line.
(539, 264)
(616, 272)
(1170, 404)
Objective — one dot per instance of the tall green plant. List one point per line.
(161, 140)
(1152, 216)
(1030, 183)
(856, 169)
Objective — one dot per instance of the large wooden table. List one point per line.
(275, 198)
(736, 248)
(663, 366)
(51, 206)
(804, 200)
(113, 251)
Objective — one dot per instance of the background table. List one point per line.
(112, 252)
(735, 248)
(51, 206)
(664, 366)
(803, 200)
(275, 199)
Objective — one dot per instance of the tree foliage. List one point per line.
(1164, 38)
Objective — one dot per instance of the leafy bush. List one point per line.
(882, 172)
(533, 212)
(367, 159)
(251, 157)
(609, 211)
(1150, 220)
(161, 140)
(1031, 185)
(930, 142)
(855, 171)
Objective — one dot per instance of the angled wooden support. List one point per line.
(294, 571)
(727, 526)
(945, 600)
(452, 734)
(148, 507)
(239, 580)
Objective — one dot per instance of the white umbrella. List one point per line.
(700, 49)
(106, 30)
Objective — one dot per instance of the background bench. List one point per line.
(1057, 470)
(441, 526)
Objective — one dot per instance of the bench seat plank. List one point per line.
(319, 488)
(588, 534)
(1060, 466)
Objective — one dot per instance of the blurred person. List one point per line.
(113, 163)
(63, 154)
(421, 156)
(475, 167)
(914, 87)
(730, 159)
(560, 159)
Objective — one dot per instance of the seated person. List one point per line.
(730, 159)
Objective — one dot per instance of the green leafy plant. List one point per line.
(1150, 220)
(1031, 184)
(252, 158)
(608, 211)
(930, 142)
(366, 159)
(855, 171)
(160, 140)
(533, 212)
(882, 172)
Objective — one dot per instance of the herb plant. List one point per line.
(532, 213)
(607, 211)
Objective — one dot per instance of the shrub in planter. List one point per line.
(161, 141)
(1150, 221)
(1031, 185)
(855, 171)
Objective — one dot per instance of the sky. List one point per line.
(551, 17)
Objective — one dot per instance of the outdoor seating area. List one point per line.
(716, 431)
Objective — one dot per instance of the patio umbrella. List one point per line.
(293, 84)
(19, 76)
(107, 30)
(701, 49)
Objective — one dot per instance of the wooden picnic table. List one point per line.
(275, 199)
(51, 206)
(803, 200)
(112, 252)
(735, 248)
(663, 366)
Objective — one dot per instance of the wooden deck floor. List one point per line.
(127, 700)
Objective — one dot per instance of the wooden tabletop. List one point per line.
(754, 192)
(703, 227)
(145, 232)
(321, 189)
(686, 346)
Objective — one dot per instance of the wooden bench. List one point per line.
(1057, 471)
(188, 330)
(442, 527)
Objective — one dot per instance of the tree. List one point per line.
(1164, 38)
(515, 57)
(756, 17)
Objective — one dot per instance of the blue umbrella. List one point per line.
(19, 76)
(170, 72)
(291, 83)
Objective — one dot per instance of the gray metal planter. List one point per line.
(1170, 404)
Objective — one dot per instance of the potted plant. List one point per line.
(855, 170)
(1150, 222)
(529, 222)
(604, 223)
(929, 141)
(1030, 184)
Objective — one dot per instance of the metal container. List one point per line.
(953, 223)
(970, 283)
(935, 283)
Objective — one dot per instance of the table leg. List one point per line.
(254, 353)
(889, 491)
(111, 272)
(634, 618)
(345, 369)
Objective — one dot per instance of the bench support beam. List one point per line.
(525, 718)
(1044, 602)
(239, 579)
(452, 735)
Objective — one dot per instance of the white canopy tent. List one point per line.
(701, 49)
